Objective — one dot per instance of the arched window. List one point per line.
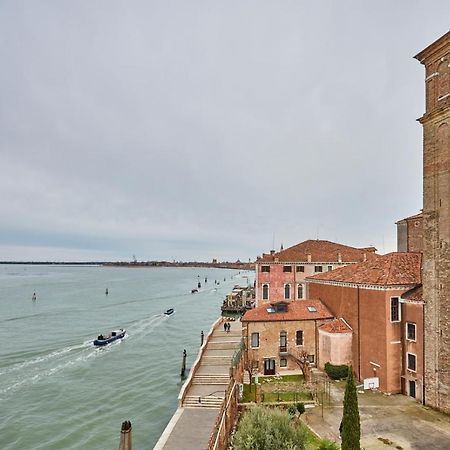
(299, 291)
(287, 291)
(443, 79)
(265, 292)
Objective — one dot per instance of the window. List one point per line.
(287, 291)
(395, 309)
(299, 337)
(311, 359)
(255, 340)
(287, 268)
(330, 268)
(300, 268)
(312, 309)
(283, 362)
(255, 364)
(281, 307)
(317, 268)
(283, 341)
(411, 361)
(300, 291)
(265, 289)
(411, 331)
(265, 268)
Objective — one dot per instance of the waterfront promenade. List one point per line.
(203, 393)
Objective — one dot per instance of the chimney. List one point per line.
(308, 256)
(339, 257)
(364, 256)
(272, 252)
(276, 259)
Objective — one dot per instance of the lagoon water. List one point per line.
(57, 391)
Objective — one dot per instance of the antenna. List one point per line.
(273, 241)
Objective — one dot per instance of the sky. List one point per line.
(192, 130)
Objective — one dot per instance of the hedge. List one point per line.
(336, 372)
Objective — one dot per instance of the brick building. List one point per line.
(410, 234)
(436, 221)
(275, 334)
(280, 275)
(379, 302)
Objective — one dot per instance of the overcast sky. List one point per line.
(203, 129)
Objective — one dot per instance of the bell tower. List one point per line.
(436, 222)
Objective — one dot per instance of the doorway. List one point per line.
(412, 388)
(269, 367)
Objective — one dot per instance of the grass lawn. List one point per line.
(286, 396)
(280, 379)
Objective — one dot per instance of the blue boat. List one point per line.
(114, 336)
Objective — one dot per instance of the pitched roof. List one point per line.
(320, 251)
(336, 326)
(414, 217)
(397, 268)
(415, 294)
(296, 310)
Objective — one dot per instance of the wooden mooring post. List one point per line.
(202, 338)
(183, 365)
(125, 436)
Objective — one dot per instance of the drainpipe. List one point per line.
(359, 338)
(423, 353)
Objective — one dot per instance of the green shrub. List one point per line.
(336, 372)
(325, 444)
(268, 429)
(292, 410)
(300, 408)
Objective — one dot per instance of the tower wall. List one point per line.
(436, 222)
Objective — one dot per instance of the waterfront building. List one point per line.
(380, 302)
(436, 221)
(278, 333)
(280, 275)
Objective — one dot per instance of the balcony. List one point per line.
(283, 350)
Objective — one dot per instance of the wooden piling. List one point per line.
(125, 436)
(183, 365)
(202, 338)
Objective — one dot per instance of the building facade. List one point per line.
(436, 221)
(410, 234)
(369, 297)
(276, 334)
(281, 275)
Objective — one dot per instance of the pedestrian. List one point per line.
(228, 327)
(224, 326)
(340, 430)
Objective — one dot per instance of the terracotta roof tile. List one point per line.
(320, 251)
(415, 294)
(296, 310)
(336, 326)
(397, 268)
(414, 217)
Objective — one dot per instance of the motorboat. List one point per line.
(169, 312)
(194, 291)
(113, 336)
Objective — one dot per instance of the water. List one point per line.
(57, 391)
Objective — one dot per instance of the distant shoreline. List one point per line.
(217, 265)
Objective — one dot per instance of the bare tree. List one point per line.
(301, 358)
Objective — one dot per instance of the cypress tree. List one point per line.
(351, 428)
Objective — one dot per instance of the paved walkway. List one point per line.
(387, 422)
(192, 423)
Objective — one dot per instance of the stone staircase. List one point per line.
(211, 379)
(211, 401)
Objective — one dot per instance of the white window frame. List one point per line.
(303, 291)
(399, 310)
(283, 359)
(407, 361)
(268, 291)
(303, 338)
(415, 331)
(251, 340)
(284, 291)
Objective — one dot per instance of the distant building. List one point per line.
(280, 275)
(276, 333)
(436, 221)
(410, 234)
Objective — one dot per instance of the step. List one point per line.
(211, 380)
(205, 402)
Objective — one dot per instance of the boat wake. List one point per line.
(26, 373)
